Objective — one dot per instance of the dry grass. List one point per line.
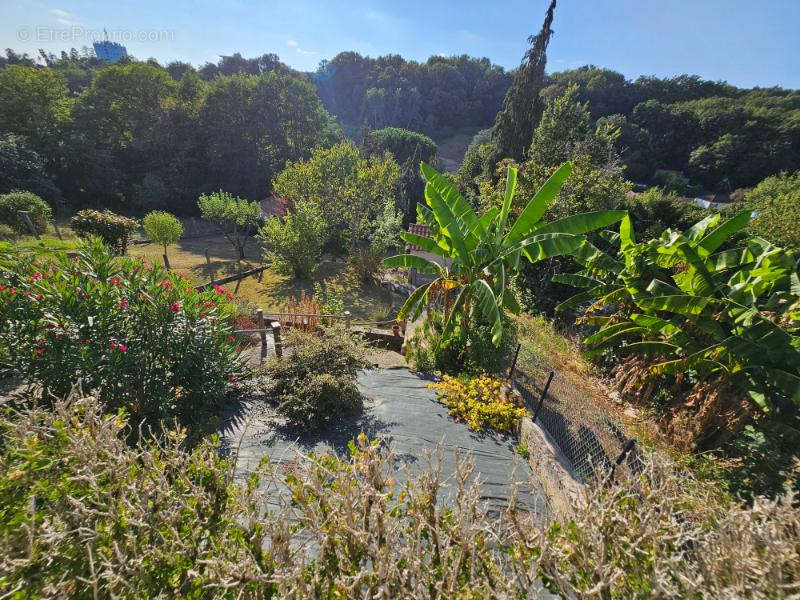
(275, 290)
(153, 521)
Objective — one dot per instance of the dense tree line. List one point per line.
(133, 138)
(441, 93)
(721, 136)
(137, 135)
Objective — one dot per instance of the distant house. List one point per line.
(415, 278)
(275, 206)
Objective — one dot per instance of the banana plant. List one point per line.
(478, 256)
(688, 307)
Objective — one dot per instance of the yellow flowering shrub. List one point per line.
(483, 402)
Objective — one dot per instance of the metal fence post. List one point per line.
(541, 398)
(347, 319)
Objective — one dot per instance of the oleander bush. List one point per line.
(115, 230)
(139, 335)
(85, 514)
(483, 402)
(315, 383)
(13, 202)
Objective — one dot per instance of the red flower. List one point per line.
(114, 281)
(166, 284)
(122, 347)
(38, 296)
(36, 276)
(209, 304)
(123, 304)
(231, 339)
(2, 287)
(175, 306)
(86, 340)
(40, 351)
(232, 378)
(113, 345)
(238, 348)
(229, 296)
(41, 343)
(218, 288)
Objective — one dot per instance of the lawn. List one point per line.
(366, 302)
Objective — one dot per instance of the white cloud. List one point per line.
(64, 17)
(298, 49)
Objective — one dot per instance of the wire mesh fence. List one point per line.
(575, 418)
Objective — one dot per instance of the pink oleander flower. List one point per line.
(122, 347)
(123, 304)
(114, 281)
(175, 306)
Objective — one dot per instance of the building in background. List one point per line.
(109, 51)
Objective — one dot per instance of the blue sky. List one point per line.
(746, 42)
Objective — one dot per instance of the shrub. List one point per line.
(294, 243)
(405, 145)
(464, 350)
(484, 402)
(86, 515)
(115, 230)
(163, 228)
(142, 337)
(12, 203)
(660, 532)
(317, 383)
(110, 520)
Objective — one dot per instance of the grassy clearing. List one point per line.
(451, 148)
(368, 302)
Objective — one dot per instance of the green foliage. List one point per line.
(404, 145)
(34, 104)
(115, 230)
(776, 201)
(316, 384)
(143, 338)
(656, 210)
(671, 182)
(482, 254)
(22, 168)
(235, 217)
(357, 195)
(467, 350)
(687, 307)
(390, 91)
(162, 228)
(294, 242)
(12, 203)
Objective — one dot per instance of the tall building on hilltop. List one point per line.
(109, 51)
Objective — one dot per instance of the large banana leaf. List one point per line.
(683, 305)
(487, 303)
(413, 261)
(718, 236)
(582, 223)
(534, 210)
(412, 301)
(426, 243)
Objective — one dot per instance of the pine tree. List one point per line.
(523, 106)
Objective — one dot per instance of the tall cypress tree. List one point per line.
(523, 106)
